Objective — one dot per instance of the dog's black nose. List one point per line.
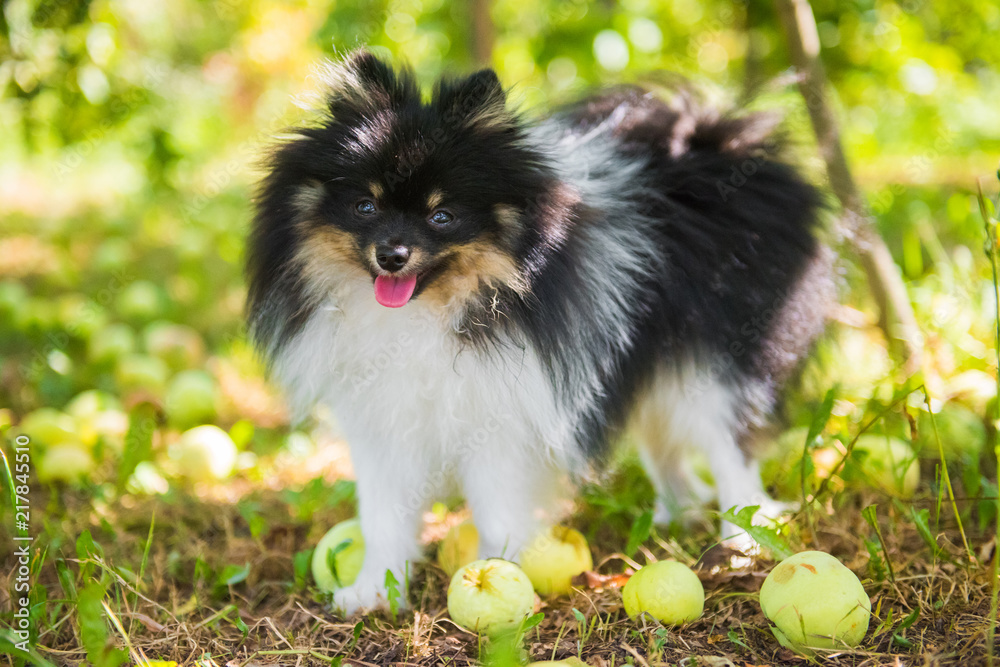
(392, 257)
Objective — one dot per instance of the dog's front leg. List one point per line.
(512, 494)
(393, 489)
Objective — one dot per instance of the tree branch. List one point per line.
(896, 316)
(482, 32)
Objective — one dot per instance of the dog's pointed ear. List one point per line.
(364, 81)
(478, 100)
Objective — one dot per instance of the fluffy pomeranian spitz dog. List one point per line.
(484, 301)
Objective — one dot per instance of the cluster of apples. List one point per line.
(811, 598)
(494, 596)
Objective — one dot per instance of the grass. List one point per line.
(188, 578)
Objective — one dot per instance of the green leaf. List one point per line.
(241, 626)
(234, 574)
(920, 520)
(910, 619)
(533, 620)
(356, 635)
(822, 416)
(11, 644)
(86, 551)
(392, 593)
(301, 564)
(765, 536)
(640, 532)
(93, 630)
(875, 562)
(66, 580)
(331, 559)
(734, 638)
(138, 441)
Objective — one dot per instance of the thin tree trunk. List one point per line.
(753, 65)
(482, 32)
(896, 316)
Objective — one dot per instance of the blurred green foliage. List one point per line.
(130, 132)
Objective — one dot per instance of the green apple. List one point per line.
(961, 431)
(66, 462)
(177, 344)
(92, 402)
(141, 300)
(205, 453)
(98, 414)
(554, 557)
(815, 602)
(112, 255)
(110, 343)
(141, 371)
(190, 398)
(666, 590)
(48, 426)
(459, 547)
(490, 597)
(890, 463)
(338, 557)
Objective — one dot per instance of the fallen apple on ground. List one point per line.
(814, 601)
(554, 557)
(205, 453)
(490, 597)
(890, 463)
(48, 427)
(338, 556)
(459, 547)
(666, 590)
(190, 398)
(65, 462)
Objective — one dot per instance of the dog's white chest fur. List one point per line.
(402, 384)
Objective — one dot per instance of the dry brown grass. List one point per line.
(177, 612)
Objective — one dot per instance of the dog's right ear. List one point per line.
(477, 100)
(363, 82)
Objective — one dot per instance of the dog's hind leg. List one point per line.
(698, 410)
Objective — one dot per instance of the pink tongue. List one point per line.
(394, 292)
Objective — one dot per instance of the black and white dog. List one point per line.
(485, 301)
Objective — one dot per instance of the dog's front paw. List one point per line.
(365, 594)
(356, 598)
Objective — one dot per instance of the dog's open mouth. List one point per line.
(394, 291)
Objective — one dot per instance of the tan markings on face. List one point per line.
(473, 266)
(308, 197)
(325, 255)
(434, 199)
(376, 189)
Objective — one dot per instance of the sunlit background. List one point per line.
(131, 131)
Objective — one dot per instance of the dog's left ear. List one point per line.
(478, 100)
(362, 82)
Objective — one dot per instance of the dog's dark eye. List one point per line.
(441, 218)
(365, 207)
